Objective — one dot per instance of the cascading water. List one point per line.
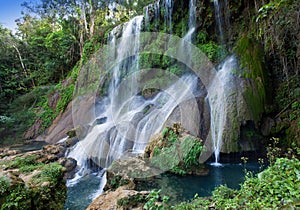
(168, 14)
(222, 18)
(192, 16)
(152, 11)
(191, 28)
(103, 143)
(218, 15)
(218, 103)
(130, 119)
(217, 97)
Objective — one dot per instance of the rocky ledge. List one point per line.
(172, 151)
(34, 180)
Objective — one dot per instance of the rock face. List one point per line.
(241, 106)
(34, 130)
(34, 180)
(72, 121)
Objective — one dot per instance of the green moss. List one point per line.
(251, 58)
(52, 172)
(132, 201)
(255, 98)
(178, 155)
(117, 181)
(66, 95)
(47, 188)
(24, 164)
(252, 62)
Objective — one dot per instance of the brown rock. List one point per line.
(108, 200)
(34, 130)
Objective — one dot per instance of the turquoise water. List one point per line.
(178, 188)
(31, 146)
(81, 194)
(184, 188)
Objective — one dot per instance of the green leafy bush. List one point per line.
(52, 172)
(66, 97)
(277, 187)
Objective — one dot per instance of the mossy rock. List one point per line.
(32, 181)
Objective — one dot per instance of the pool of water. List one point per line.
(30, 146)
(81, 194)
(178, 188)
(184, 188)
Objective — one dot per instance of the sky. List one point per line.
(10, 10)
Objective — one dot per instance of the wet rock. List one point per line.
(57, 150)
(70, 166)
(76, 116)
(267, 125)
(71, 133)
(70, 142)
(101, 120)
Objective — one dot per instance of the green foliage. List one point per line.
(277, 187)
(91, 47)
(278, 27)
(117, 182)
(18, 198)
(131, 201)
(287, 92)
(178, 155)
(66, 96)
(175, 70)
(152, 200)
(4, 185)
(52, 172)
(211, 50)
(25, 164)
(17, 195)
(191, 148)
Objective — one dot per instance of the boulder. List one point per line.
(127, 171)
(36, 177)
(70, 166)
(120, 199)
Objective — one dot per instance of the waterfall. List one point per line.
(219, 93)
(104, 143)
(168, 14)
(222, 16)
(218, 15)
(192, 14)
(130, 119)
(147, 18)
(153, 12)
